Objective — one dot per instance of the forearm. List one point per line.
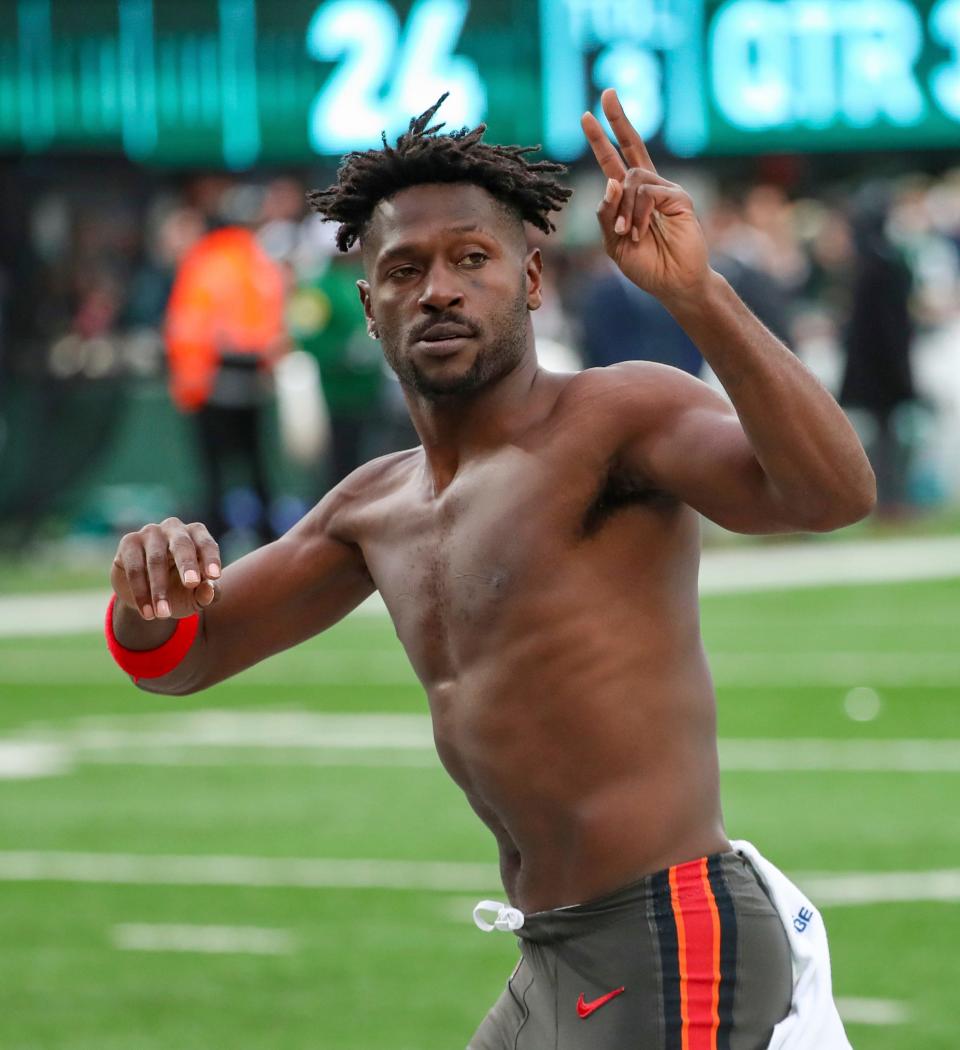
(806, 447)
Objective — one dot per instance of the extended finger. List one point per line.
(610, 161)
(634, 150)
(184, 551)
(157, 555)
(132, 563)
(208, 550)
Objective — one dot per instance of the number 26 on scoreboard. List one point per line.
(386, 72)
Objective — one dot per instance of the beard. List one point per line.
(500, 356)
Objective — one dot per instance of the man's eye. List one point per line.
(475, 258)
(403, 272)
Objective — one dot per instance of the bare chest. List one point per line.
(456, 569)
(446, 563)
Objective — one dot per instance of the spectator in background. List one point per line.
(175, 234)
(327, 321)
(621, 322)
(765, 271)
(224, 330)
(877, 379)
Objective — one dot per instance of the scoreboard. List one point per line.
(241, 82)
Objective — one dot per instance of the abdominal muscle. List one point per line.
(592, 765)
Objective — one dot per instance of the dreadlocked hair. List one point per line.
(422, 156)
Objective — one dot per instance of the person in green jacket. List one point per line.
(326, 320)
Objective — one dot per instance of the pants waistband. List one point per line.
(656, 892)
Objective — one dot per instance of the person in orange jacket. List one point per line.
(224, 330)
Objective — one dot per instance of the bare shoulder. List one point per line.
(638, 394)
(380, 479)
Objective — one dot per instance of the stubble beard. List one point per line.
(497, 359)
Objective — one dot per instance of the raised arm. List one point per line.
(269, 600)
(784, 457)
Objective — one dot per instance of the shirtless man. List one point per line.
(538, 555)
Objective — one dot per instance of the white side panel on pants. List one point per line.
(813, 1022)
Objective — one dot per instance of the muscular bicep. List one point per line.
(685, 439)
(274, 598)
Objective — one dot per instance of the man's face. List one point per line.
(450, 286)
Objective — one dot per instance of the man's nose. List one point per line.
(441, 291)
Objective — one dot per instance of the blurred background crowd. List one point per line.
(193, 343)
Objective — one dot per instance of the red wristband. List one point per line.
(152, 663)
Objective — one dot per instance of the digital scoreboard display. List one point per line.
(241, 82)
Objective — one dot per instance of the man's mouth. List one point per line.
(446, 338)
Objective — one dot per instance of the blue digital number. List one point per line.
(945, 80)
(635, 73)
(384, 78)
(349, 112)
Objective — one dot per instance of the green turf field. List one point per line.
(129, 835)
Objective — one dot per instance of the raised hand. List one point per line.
(649, 226)
(167, 570)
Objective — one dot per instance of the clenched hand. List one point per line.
(167, 570)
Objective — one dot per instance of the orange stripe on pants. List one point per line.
(698, 949)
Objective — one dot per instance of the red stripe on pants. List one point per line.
(698, 941)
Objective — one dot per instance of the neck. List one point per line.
(454, 429)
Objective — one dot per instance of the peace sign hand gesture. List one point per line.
(649, 226)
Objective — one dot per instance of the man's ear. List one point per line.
(363, 287)
(534, 272)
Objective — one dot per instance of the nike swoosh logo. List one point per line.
(585, 1009)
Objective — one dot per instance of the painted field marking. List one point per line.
(817, 564)
(295, 737)
(170, 937)
(826, 890)
(755, 568)
(214, 758)
(876, 668)
(855, 1010)
(27, 759)
(829, 890)
(276, 872)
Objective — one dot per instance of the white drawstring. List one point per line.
(507, 919)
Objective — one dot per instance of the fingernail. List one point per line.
(213, 570)
(620, 226)
(634, 234)
(163, 609)
(191, 576)
(147, 612)
(610, 192)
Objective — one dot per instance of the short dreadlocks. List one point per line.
(422, 156)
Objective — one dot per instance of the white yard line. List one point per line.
(887, 668)
(884, 887)
(210, 758)
(873, 1011)
(755, 568)
(232, 940)
(277, 872)
(245, 728)
(819, 564)
(826, 890)
(295, 737)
